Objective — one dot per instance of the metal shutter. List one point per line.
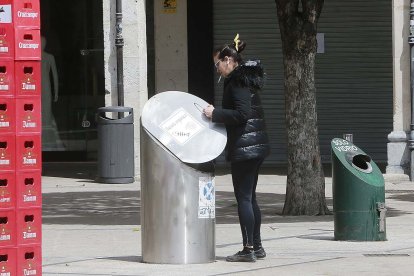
(353, 76)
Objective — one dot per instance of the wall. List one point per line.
(397, 148)
(170, 30)
(401, 60)
(135, 60)
(171, 58)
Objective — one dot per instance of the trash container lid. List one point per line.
(176, 119)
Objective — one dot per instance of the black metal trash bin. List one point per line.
(115, 145)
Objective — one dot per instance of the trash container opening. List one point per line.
(362, 162)
(116, 112)
(199, 107)
(115, 115)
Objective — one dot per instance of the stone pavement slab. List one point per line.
(93, 229)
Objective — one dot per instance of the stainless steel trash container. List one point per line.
(178, 144)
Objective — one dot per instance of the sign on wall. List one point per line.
(170, 6)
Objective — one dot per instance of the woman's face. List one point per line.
(224, 66)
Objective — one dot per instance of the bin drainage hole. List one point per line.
(386, 255)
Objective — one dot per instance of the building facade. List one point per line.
(362, 70)
(81, 37)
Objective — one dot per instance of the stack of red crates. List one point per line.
(20, 138)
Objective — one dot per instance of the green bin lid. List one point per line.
(356, 161)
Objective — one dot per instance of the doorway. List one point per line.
(73, 32)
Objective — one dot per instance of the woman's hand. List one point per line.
(208, 111)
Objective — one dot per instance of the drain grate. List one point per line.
(386, 255)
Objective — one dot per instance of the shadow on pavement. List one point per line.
(76, 170)
(92, 208)
(132, 259)
(88, 170)
(123, 208)
(403, 196)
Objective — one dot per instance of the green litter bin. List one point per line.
(358, 194)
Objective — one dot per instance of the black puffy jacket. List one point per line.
(242, 113)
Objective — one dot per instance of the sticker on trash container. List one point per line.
(206, 198)
(181, 126)
(343, 145)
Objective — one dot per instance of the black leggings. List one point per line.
(245, 175)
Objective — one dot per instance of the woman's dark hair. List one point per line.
(230, 51)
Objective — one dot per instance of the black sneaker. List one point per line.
(242, 256)
(260, 253)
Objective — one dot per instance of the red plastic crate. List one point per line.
(27, 44)
(28, 78)
(26, 13)
(7, 190)
(7, 115)
(28, 152)
(29, 260)
(28, 115)
(29, 226)
(6, 30)
(6, 78)
(7, 152)
(28, 189)
(8, 261)
(6, 41)
(8, 234)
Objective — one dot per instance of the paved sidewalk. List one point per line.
(93, 229)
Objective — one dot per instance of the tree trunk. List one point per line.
(305, 190)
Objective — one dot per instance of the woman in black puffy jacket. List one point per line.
(247, 141)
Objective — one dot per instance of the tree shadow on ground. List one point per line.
(76, 170)
(123, 208)
(402, 196)
(399, 195)
(88, 170)
(91, 208)
(271, 206)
